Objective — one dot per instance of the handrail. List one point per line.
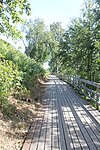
(86, 87)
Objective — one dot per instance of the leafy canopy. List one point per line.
(11, 15)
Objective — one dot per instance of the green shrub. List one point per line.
(17, 71)
(8, 77)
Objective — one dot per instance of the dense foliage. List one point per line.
(79, 51)
(11, 15)
(75, 51)
(37, 38)
(43, 43)
(17, 71)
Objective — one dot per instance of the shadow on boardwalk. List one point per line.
(64, 122)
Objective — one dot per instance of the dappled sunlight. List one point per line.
(73, 128)
(52, 79)
(64, 122)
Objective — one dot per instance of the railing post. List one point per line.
(98, 99)
(81, 85)
(97, 106)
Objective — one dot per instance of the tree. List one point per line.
(57, 33)
(37, 37)
(79, 49)
(11, 13)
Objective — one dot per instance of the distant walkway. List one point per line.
(66, 122)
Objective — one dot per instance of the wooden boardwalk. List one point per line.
(65, 121)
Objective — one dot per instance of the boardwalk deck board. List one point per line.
(64, 122)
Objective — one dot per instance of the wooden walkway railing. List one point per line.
(64, 121)
(86, 87)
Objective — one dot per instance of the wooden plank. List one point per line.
(64, 131)
(86, 119)
(90, 127)
(47, 145)
(70, 121)
(38, 130)
(90, 82)
(80, 124)
(55, 131)
(64, 122)
(29, 137)
(41, 139)
(81, 102)
(81, 84)
(34, 143)
(95, 113)
(80, 139)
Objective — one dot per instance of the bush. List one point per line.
(17, 71)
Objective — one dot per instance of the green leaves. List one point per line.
(17, 71)
(11, 13)
(37, 37)
(43, 44)
(8, 74)
(79, 50)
